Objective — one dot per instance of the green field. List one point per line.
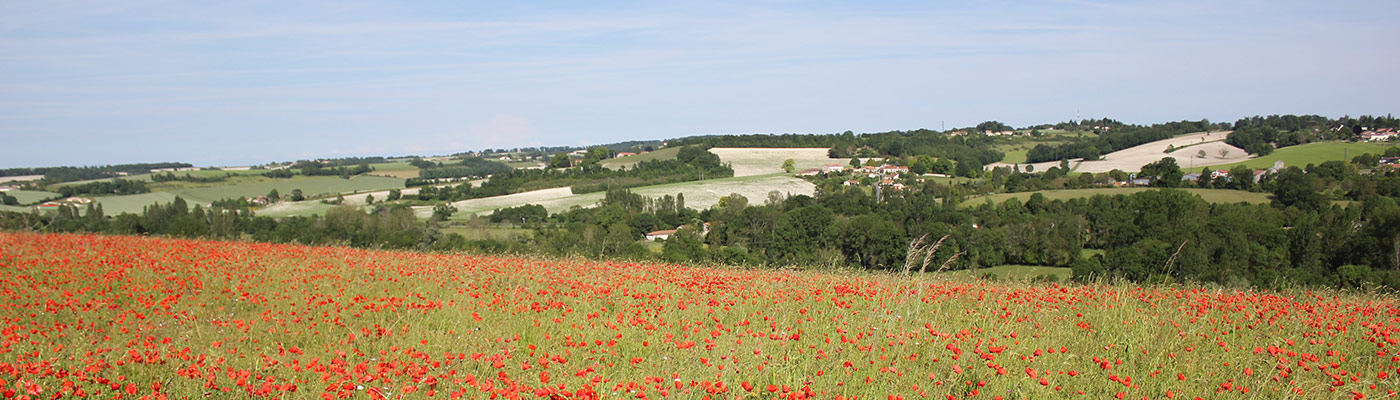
(668, 153)
(1312, 153)
(17, 209)
(31, 196)
(1014, 155)
(205, 193)
(113, 205)
(400, 170)
(1209, 195)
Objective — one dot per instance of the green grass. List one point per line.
(1312, 153)
(1015, 156)
(486, 232)
(31, 196)
(1209, 195)
(531, 164)
(668, 153)
(949, 180)
(17, 209)
(250, 186)
(392, 166)
(1019, 272)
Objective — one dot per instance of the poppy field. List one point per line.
(113, 317)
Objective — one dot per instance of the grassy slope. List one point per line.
(663, 154)
(31, 196)
(1312, 153)
(1209, 195)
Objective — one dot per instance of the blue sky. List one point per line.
(233, 83)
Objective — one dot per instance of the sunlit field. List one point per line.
(134, 318)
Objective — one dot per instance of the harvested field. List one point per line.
(698, 194)
(761, 161)
(1132, 159)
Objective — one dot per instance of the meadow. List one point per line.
(398, 169)
(127, 317)
(1312, 153)
(31, 196)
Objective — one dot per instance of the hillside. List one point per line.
(1209, 195)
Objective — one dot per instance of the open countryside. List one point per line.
(699, 200)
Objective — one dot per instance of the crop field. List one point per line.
(1209, 195)
(1312, 153)
(20, 178)
(698, 194)
(762, 161)
(31, 196)
(310, 185)
(401, 170)
(663, 154)
(126, 317)
(205, 193)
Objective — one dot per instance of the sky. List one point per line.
(252, 82)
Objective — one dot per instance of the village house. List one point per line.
(1259, 173)
(894, 169)
(809, 172)
(1379, 135)
(660, 235)
(666, 234)
(851, 183)
(626, 154)
(829, 168)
